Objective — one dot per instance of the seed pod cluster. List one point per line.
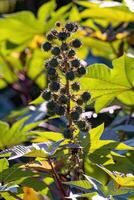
(64, 61)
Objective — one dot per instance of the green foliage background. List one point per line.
(106, 29)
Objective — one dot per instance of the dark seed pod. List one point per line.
(85, 96)
(81, 71)
(54, 86)
(75, 63)
(50, 36)
(58, 24)
(51, 71)
(53, 77)
(81, 124)
(46, 46)
(62, 36)
(85, 129)
(68, 133)
(76, 43)
(51, 112)
(70, 75)
(53, 62)
(70, 26)
(54, 33)
(51, 105)
(71, 53)
(75, 86)
(55, 51)
(79, 101)
(75, 115)
(79, 109)
(60, 110)
(64, 47)
(46, 94)
(63, 99)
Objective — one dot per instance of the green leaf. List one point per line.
(36, 68)
(3, 164)
(19, 29)
(45, 10)
(74, 14)
(46, 136)
(59, 15)
(37, 101)
(105, 84)
(108, 14)
(16, 134)
(123, 180)
(80, 184)
(96, 145)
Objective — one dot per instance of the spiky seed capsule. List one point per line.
(63, 99)
(78, 109)
(75, 86)
(71, 53)
(46, 46)
(62, 36)
(60, 110)
(81, 124)
(51, 71)
(50, 36)
(51, 105)
(67, 133)
(53, 77)
(86, 96)
(76, 43)
(70, 26)
(79, 101)
(85, 129)
(54, 86)
(55, 51)
(58, 24)
(53, 62)
(46, 94)
(64, 47)
(51, 112)
(54, 32)
(81, 71)
(70, 75)
(75, 115)
(75, 63)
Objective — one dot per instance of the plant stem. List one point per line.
(14, 195)
(58, 182)
(68, 92)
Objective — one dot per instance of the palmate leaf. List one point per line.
(16, 134)
(35, 150)
(105, 84)
(123, 180)
(94, 144)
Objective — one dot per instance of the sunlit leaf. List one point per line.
(123, 180)
(105, 84)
